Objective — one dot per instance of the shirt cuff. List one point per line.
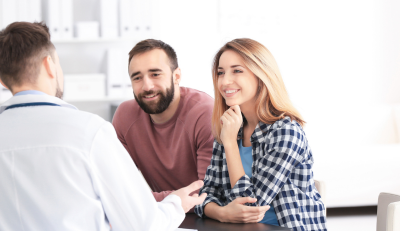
(242, 188)
(199, 209)
(176, 201)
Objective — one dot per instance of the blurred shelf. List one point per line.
(95, 40)
(103, 99)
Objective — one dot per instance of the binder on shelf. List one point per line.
(126, 26)
(147, 25)
(8, 12)
(19, 10)
(118, 81)
(52, 16)
(66, 13)
(109, 18)
(137, 17)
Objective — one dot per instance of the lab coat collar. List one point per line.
(34, 99)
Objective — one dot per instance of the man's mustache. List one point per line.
(149, 93)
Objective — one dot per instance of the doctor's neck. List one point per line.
(45, 82)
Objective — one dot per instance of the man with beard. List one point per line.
(167, 128)
(60, 168)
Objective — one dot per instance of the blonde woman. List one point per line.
(261, 168)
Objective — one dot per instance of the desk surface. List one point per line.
(192, 221)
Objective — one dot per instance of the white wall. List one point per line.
(387, 56)
(191, 28)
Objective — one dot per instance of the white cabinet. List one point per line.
(88, 57)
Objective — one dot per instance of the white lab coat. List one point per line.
(64, 169)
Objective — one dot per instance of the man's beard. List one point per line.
(162, 104)
(59, 93)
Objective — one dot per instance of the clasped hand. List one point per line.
(231, 121)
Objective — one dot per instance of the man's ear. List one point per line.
(49, 66)
(3, 84)
(177, 75)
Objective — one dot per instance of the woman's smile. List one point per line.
(231, 92)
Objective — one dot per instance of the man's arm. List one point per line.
(124, 194)
(159, 196)
(204, 139)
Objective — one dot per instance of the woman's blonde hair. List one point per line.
(272, 101)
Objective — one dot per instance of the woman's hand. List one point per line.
(231, 121)
(236, 211)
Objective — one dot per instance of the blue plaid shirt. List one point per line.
(282, 175)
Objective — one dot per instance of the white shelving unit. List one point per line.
(98, 40)
(89, 56)
(85, 56)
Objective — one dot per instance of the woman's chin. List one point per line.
(230, 104)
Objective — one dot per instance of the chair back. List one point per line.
(388, 207)
(320, 185)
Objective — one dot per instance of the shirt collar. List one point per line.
(33, 98)
(258, 134)
(30, 92)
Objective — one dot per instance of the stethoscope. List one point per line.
(31, 105)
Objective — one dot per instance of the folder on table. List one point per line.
(109, 18)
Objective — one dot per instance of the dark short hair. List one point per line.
(23, 45)
(151, 44)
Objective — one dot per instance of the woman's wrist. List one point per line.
(221, 213)
(214, 211)
(229, 144)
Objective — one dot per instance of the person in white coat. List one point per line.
(61, 168)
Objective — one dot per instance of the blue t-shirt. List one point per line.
(247, 161)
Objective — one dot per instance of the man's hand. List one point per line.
(188, 201)
(237, 212)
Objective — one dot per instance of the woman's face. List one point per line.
(236, 83)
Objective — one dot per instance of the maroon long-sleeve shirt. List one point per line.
(173, 154)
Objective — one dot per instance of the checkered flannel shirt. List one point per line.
(282, 175)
